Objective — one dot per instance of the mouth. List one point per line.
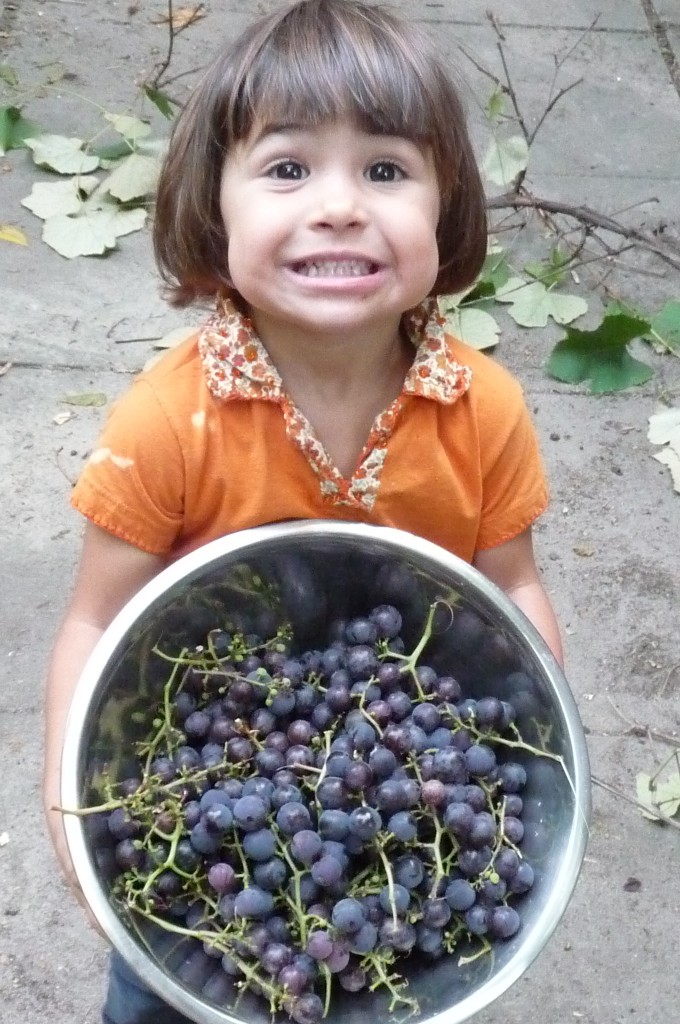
(335, 268)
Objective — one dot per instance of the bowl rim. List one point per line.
(244, 542)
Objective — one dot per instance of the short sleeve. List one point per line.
(133, 484)
(514, 487)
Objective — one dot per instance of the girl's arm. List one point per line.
(110, 573)
(512, 567)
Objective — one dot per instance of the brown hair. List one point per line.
(307, 63)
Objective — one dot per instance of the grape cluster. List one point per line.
(307, 819)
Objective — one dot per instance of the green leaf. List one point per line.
(505, 159)
(115, 151)
(665, 332)
(7, 74)
(63, 155)
(88, 398)
(662, 797)
(601, 356)
(160, 100)
(495, 105)
(496, 271)
(134, 178)
(130, 128)
(532, 304)
(51, 199)
(473, 326)
(551, 271)
(15, 129)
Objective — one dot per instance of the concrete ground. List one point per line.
(608, 546)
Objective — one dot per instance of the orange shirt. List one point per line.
(207, 442)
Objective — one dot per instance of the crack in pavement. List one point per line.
(659, 32)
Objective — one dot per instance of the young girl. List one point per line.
(321, 188)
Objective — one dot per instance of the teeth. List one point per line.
(335, 268)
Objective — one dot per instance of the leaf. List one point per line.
(112, 153)
(601, 356)
(473, 326)
(665, 332)
(160, 100)
(134, 178)
(130, 128)
(664, 428)
(7, 74)
(661, 797)
(181, 16)
(54, 198)
(551, 271)
(121, 221)
(61, 154)
(495, 105)
(15, 129)
(8, 233)
(532, 304)
(505, 159)
(61, 418)
(87, 398)
(87, 234)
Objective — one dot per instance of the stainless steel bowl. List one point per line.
(322, 569)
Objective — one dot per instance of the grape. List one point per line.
(271, 874)
(353, 978)
(306, 845)
(203, 840)
(338, 959)
(504, 922)
(121, 825)
(348, 915)
(397, 934)
(459, 818)
(218, 818)
(409, 871)
(292, 979)
(480, 760)
(128, 855)
(334, 824)
(259, 845)
(197, 724)
(513, 829)
(222, 877)
(402, 825)
(250, 813)
(275, 957)
(361, 631)
(364, 822)
(307, 1009)
(395, 899)
(460, 895)
(523, 878)
(365, 939)
(253, 902)
(319, 945)
(477, 919)
(293, 817)
(326, 871)
(512, 777)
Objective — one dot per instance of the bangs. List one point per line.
(316, 66)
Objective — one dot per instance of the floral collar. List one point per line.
(237, 365)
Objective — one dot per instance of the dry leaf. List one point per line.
(4, 838)
(182, 17)
(583, 550)
(4, 368)
(62, 417)
(8, 233)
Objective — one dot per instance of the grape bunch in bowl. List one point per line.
(314, 760)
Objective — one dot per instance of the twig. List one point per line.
(644, 730)
(671, 671)
(659, 815)
(667, 251)
(165, 64)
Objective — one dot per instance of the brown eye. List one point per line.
(288, 170)
(385, 171)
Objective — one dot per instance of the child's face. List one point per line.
(331, 229)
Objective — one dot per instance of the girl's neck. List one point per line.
(341, 384)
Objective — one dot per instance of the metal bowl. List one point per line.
(324, 570)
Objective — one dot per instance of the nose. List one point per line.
(337, 203)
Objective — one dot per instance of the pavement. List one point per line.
(608, 545)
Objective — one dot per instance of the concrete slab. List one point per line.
(571, 14)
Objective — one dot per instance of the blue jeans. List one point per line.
(129, 1001)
